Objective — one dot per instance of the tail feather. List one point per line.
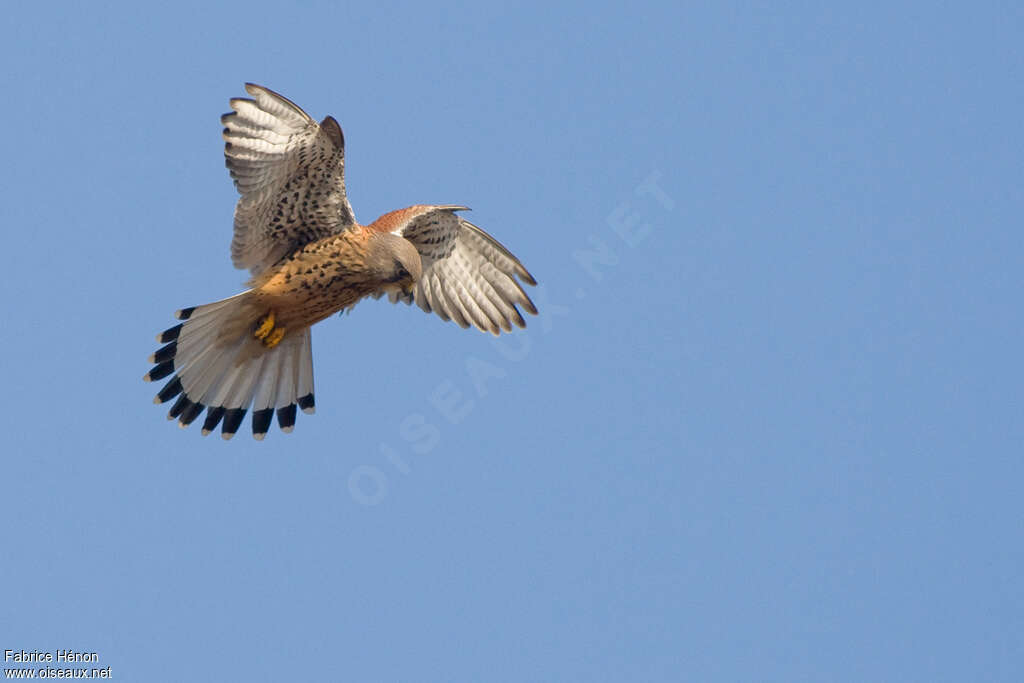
(263, 389)
(266, 386)
(213, 417)
(305, 380)
(220, 378)
(197, 338)
(222, 399)
(215, 364)
(232, 385)
(266, 395)
(200, 367)
(243, 395)
(287, 389)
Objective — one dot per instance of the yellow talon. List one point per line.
(274, 338)
(265, 325)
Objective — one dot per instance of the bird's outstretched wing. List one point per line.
(468, 276)
(290, 171)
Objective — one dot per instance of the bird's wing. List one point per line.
(290, 171)
(467, 276)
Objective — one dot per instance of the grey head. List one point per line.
(394, 261)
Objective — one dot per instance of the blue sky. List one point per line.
(767, 426)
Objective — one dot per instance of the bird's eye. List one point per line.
(400, 272)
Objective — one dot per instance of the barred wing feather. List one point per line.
(290, 173)
(468, 276)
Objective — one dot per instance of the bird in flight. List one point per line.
(309, 258)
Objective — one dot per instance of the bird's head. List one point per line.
(394, 261)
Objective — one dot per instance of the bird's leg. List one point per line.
(274, 338)
(264, 326)
(266, 332)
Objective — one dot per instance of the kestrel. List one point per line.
(309, 258)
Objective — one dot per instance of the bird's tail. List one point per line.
(217, 364)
